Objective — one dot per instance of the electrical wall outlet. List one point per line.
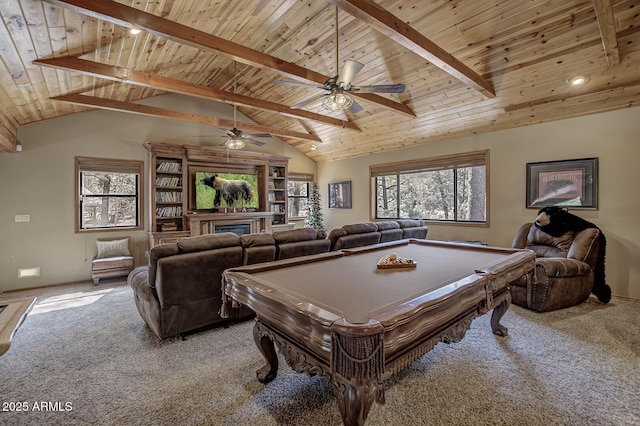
(23, 218)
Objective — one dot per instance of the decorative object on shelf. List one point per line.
(340, 195)
(314, 217)
(569, 183)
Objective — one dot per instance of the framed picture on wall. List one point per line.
(340, 195)
(567, 183)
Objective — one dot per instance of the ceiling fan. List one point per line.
(337, 89)
(237, 139)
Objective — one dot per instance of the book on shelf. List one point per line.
(169, 211)
(162, 181)
(169, 167)
(169, 197)
(167, 227)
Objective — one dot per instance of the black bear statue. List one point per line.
(556, 221)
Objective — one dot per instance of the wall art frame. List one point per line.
(566, 183)
(340, 195)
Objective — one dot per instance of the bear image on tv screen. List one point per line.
(230, 191)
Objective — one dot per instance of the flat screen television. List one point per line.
(234, 190)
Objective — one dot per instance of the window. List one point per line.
(109, 194)
(452, 188)
(298, 195)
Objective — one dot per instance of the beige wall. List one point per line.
(612, 137)
(39, 181)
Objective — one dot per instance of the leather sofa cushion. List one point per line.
(539, 238)
(561, 268)
(582, 247)
(389, 231)
(413, 228)
(302, 248)
(208, 242)
(258, 248)
(357, 240)
(410, 223)
(360, 228)
(295, 235)
(256, 240)
(547, 251)
(187, 278)
(156, 253)
(388, 224)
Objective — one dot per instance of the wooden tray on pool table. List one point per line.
(383, 265)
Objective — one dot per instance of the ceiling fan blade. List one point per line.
(260, 135)
(355, 107)
(308, 101)
(349, 71)
(380, 88)
(255, 142)
(296, 83)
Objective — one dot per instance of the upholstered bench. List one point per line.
(113, 260)
(109, 267)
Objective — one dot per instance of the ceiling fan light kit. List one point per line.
(339, 87)
(236, 138)
(337, 101)
(233, 143)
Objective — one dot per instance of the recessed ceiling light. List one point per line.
(134, 31)
(578, 80)
(313, 147)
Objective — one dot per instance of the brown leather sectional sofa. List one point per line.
(367, 233)
(180, 288)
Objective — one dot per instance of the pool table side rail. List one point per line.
(433, 243)
(13, 315)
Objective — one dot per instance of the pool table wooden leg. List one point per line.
(498, 312)
(355, 398)
(265, 344)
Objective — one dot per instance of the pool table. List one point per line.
(340, 316)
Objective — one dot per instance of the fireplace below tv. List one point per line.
(210, 223)
(238, 229)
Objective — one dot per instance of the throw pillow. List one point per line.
(113, 248)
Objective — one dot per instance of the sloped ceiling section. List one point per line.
(468, 67)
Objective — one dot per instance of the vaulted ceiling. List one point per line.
(469, 66)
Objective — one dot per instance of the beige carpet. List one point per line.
(84, 357)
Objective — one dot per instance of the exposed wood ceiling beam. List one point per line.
(126, 16)
(388, 24)
(7, 139)
(155, 81)
(606, 23)
(95, 102)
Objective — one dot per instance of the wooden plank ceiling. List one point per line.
(469, 66)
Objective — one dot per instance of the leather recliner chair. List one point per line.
(564, 272)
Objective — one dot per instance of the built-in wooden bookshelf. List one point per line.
(167, 168)
(277, 193)
(171, 179)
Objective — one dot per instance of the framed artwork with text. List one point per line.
(566, 183)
